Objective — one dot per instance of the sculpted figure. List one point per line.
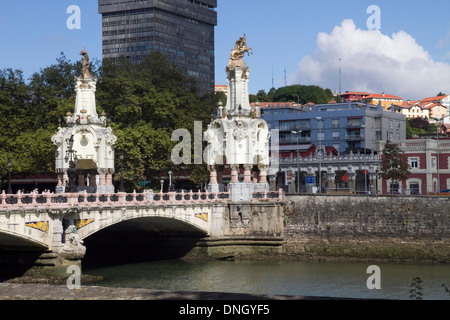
(85, 63)
(238, 53)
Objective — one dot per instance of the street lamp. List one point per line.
(162, 185)
(72, 164)
(298, 160)
(438, 188)
(9, 176)
(363, 126)
(320, 151)
(122, 156)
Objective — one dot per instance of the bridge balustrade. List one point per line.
(51, 200)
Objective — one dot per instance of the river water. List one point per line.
(329, 279)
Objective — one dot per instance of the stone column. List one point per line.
(212, 175)
(102, 177)
(234, 173)
(81, 179)
(109, 177)
(351, 181)
(263, 173)
(331, 178)
(57, 234)
(373, 183)
(92, 179)
(248, 173)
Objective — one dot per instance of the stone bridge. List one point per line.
(59, 224)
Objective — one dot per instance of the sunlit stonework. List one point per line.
(87, 142)
(238, 137)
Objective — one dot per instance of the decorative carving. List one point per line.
(58, 138)
(110, 137)
(240, 133)
(73, 245)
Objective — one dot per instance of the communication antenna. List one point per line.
(340, 77)
(272, 76)
(285, 86)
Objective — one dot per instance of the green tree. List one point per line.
(146, 103)
(303, 94)
(394, 165)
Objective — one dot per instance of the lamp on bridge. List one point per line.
(9, 176)
(122, 156)
(72, 165)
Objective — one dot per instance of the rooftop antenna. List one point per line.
(272, 76)
(285, 86)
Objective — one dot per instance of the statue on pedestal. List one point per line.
(238, 137)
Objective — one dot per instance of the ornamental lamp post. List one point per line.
(320, 151)
(9, 176)
(122, 156)
(72, 164)
(438, 188)
(298, 159)
(363, 126)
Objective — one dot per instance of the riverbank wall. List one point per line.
(359, 227)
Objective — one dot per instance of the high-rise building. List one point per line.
(182, 30)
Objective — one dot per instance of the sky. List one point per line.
(401, 48)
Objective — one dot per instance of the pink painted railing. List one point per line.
(65, 200)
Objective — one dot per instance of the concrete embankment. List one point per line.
(348, 227)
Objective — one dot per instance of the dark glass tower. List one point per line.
(183, 30)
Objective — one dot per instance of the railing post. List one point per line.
(3, 196)
(33, 198)
(19, 199)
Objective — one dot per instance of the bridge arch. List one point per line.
(141, 239)
(11, 240)
(195, 219)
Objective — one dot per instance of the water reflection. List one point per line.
(284, 278)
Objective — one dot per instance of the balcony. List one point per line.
(354, 137)
(352, 125)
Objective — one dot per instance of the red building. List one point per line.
(353, 96)
(428, 161)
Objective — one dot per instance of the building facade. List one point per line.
(386, 100)
(332, 146)
(429, 162)
(182, 30)
(351, 126)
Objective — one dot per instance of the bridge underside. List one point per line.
(144, 239)
(11, 242)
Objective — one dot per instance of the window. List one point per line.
(335, 135)
(414, 162)
(393, 188)
(378, 135)
(433, 162)
(414, 188)
(335, 123)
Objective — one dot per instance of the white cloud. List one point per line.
(373, 62)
